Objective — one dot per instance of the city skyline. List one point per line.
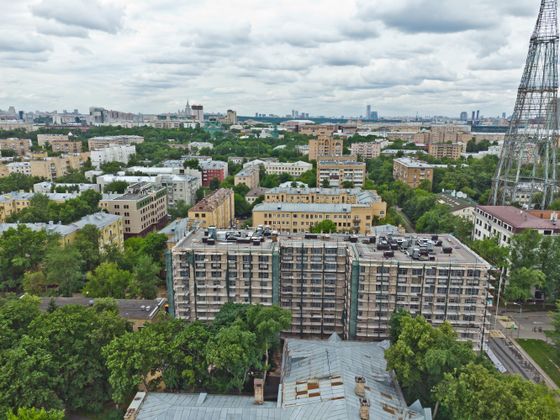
(325, 58)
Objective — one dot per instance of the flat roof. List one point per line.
(414, 163)
(363, 196)
(305, 207)
(137, 309)
(519, 219)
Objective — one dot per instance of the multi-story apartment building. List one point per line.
(324, 130)
(48, 187)
(325, 146)
(412, 171)
(51, 167)
(294, 169)
(14, 202)
(248, 176)
(215, 169)
(59, 143)
(96, 143)
(218, 209)
(113, 153)
(332, 283)
(446, 150)
(20, 146)
(368, 150)
(505, 221)
(336, 172)
(143, 207)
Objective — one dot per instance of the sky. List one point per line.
(324, 57)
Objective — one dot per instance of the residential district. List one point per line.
(196, 265)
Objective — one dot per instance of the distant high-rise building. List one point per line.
(478, 115)
(472, 117)
(198, 113)
(464, 116)
(368, 112)
(374, 116)
(504, 115)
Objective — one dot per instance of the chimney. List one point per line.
(360, 390)
(364, 409)
(258, 384)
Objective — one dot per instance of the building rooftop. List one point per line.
(341, 162)
(19, 195)
(305, 207)
(519, 219)
(213, 164)
(136, 309)
(99, 220)
(212, 201)
(403, 248)
(257, 192)
(60, 229)
(247, 171)
(363, 196)
(134, 192)
(456, 203)
(414, 163)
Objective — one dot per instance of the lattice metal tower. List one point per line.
(528, 166)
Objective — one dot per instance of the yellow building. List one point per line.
(14, 202)
(324, 146)
(216, 210)
(327, 196)
(446, 150)
(19, 146)
(59, 143)
(248, 176)
(50, 167)
(412, 171)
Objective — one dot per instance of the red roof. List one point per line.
(519, 219)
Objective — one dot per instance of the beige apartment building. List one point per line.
(333, 283)
(446, 150)
(143, 207)
(336, 172)
(412, 171)
(325, 146)
(218, 209)
(368, 150)
(20, 146)
(96, 143)
(59, 143)
(49, 168)
(14, 202)
(248, 176)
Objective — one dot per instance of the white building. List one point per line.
(113, 153)
(291, 168)
(505, 221)
(47, 187)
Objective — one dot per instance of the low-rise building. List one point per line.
(143, 207)
(300, 212)
(51, 167)
(412, 171)
(368, 150)
(215, 169)
(113, 153)
(337, 172)
(248, 176)
(195, 146)
(96, 143)
(459, 203)
(503, 222)
(446, 150)
(294, 169)
(48, 187)
(59, 143)
(15, 202)
(349, 285)
(20, 146)
(254, 194)
(217, 209)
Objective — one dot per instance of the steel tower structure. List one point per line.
(528, 165)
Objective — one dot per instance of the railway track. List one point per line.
(513, 361)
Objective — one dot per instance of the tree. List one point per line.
(63, 268)
(15, 317)
(491, 251)
(242, 208)
(146, 274)
(191, 163)
(35, 283)
(214, 184)
(554, 334)
(524, 249)
(326, 226)
(309, 178)
(116, 187)
(179, 210)
(35, 414)
(422, 355)
(231, 353)
(347, 184)
(87, 243)
(521, 282)
(112, 167)
(108, 280)
(325, 183)
(395, 324)
(477, 393)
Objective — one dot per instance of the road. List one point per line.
(407, 223)
(511, 359)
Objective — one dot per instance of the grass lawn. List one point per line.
(546, 356)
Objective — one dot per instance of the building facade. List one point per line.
(113, 153)
(412, 171)
(59, 143)
(143, 207)
(20, 146)
(14, 202)
(325, 146)
(214, 169)
(294, 169)
(369, 150)
(446, 150)
(218, 209)
(336, 172)
(503, 222)
(333, 284)
(96, 143)
(248, 176)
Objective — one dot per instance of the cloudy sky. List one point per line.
(325, 57)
